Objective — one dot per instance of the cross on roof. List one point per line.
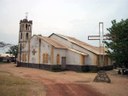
(26, 15)
(33, 51)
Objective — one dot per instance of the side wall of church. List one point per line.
(59, 54)
(73, 58)
(90, 60)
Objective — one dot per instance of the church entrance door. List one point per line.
(63, 62)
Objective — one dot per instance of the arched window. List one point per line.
(26, 26)
(58, 59)
(23, 57)
(26, 36)
(46, 58)
(29, 28)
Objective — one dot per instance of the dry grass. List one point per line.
(14, 86)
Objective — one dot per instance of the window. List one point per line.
(45, 58)
(23, 57)
(82, 58)
(29, 28)
(26, 26)
(26, 36)
(58, 59)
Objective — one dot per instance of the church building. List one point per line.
(57, 51)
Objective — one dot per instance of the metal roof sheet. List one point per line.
(96, 50)
(52, 42)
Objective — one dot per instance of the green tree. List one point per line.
(13, 50)
(118, 42)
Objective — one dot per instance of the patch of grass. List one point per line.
(2, 62)
(14, 86)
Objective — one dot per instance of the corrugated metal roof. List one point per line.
(76, 51)
(6, 55)
(52, 42)
(96, 50)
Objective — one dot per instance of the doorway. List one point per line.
(63, 62)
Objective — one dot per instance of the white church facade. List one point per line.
(58, 52)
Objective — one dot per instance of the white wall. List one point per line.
(61, 52)
(73, 58)
(91, 59)
(34, 44)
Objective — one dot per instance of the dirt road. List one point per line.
(70, 83)
(56, 83)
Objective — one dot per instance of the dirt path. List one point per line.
(57, 84)
(63, 88)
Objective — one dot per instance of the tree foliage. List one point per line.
(118, 43)
(3, 44)
(13, 50)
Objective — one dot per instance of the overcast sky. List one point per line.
(77, 18)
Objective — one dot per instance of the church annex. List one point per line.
(57, 51)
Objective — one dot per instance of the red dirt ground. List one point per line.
(55, 86)
(70, 90)
(63, 88)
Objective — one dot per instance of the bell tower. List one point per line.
(25, 33)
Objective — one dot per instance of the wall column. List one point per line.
(39, 50)
(52, 54)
